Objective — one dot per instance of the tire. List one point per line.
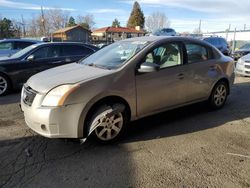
(106, 127)
(5, 85)
(219, 95)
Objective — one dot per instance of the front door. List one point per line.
(165, 88)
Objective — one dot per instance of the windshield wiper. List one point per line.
(98, 66)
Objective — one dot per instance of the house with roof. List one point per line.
(112, 34)
(72, 34)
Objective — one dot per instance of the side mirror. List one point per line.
(31, 58)
(148, 67)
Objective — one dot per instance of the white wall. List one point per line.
(240, 35)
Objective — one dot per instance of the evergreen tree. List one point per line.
(6, 29)
(116, 23)
(71, 22)
(85, 25)
(136, 17)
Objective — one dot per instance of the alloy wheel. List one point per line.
(3, 85)
(107, 128)
(220, 95)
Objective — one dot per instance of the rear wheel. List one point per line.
(108, 122)
(4, 85)
(219, 95)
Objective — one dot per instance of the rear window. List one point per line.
(198, 53)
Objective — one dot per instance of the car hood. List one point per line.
(66, 74)
(246, 57)
(242, 50)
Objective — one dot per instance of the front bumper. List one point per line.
(53, 122)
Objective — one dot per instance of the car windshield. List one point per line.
(245, 46)
(114, 55)
(23, 51)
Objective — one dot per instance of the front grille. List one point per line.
(247, 66)
(28, 95)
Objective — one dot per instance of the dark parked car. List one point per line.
(16, 69)
(244, 50)
(11, 46)
(220, 43)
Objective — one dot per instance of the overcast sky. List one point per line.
(184, 14)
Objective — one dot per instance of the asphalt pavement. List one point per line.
(187, 147)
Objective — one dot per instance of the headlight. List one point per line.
(240, 62)
(58, 95)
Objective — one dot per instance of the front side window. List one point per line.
(41, 53)
(197, 53)
(5, 46)
(167, 55)
(48, 52)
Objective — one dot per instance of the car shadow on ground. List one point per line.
(11, 98)
(34, 160)
(192, 118)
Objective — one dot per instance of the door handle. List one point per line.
(181, 76)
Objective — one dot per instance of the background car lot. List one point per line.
(187, 147)
(220, 43)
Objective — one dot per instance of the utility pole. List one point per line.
(23, 25)
(234, 42)
(43, 21)
(245, 26)
(228, 30)
(200, 27)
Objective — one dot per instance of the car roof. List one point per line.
(63, 43)
(170, 38)
(20, 40)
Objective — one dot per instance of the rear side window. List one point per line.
(76, 50)
(6, 46)
(22, 45)
(198, 53)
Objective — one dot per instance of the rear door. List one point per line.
(201, 71)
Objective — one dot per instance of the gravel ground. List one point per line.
(186, 147)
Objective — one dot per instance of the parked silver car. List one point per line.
(243, 66)
(12, 46)
(125, 81)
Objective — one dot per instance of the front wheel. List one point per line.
(108, 122)
(4, 85)
(219, 95)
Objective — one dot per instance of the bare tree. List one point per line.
(86, 21)
(51, 21)
(157, 20)
(56, 19)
